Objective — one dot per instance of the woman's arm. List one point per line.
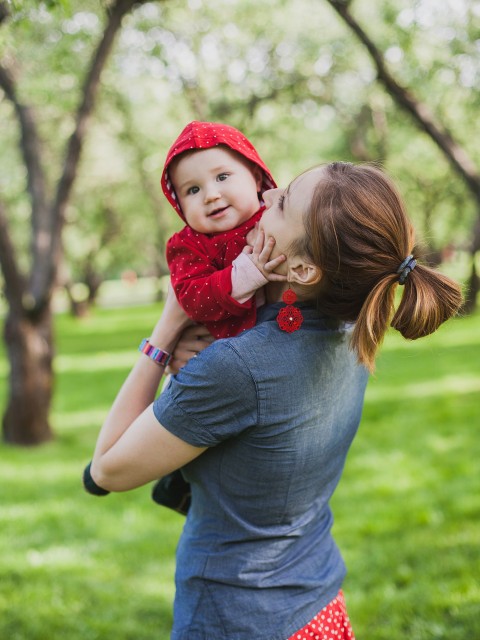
(132, 447)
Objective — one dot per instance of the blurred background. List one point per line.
(92, 94)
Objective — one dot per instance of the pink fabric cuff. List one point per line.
(246, 278)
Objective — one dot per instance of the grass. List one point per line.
(407, 510)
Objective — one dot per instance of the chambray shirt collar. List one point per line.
(311, 317)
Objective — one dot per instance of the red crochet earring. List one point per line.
(289, 318)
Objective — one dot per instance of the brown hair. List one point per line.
(358, 233)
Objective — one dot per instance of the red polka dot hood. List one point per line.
(205, 135)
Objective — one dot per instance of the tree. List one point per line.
(300, 88)
(28, 325)
(426, 120)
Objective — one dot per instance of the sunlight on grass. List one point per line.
(455, 385)
(77, 419)
(109, 360)
(459, 331)
(56, 556)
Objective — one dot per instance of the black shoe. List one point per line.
(174, 492)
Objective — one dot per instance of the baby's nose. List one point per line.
(212, 194)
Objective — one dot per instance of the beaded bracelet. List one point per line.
(162, 358)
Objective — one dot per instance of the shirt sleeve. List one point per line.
(246, 278)
(203, 291)
(213, 398)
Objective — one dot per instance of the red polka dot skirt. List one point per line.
(331, 623)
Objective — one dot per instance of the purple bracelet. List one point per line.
(162, 358)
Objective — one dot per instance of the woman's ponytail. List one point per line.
(429, 298)
(373, 322)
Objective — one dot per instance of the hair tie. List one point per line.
(404, 269)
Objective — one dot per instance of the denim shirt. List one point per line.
(278, 411)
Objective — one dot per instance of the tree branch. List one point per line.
(4, 11)
(31, 150)
(454, 153)
(43, 279)
(14, 280)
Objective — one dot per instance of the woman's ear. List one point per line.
(302, 272)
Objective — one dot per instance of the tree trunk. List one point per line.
(28, 327)
(472, 288)
(30, 350)
(473, 284)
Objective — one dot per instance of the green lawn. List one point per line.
(407, 511)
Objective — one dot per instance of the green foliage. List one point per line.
(292, 76)
(406, 511)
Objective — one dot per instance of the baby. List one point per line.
(214, 179)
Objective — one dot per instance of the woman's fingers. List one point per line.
(196, 332)
(193, 340)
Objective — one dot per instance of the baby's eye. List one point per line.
(191, 191)
(222, 176)
(281, 200)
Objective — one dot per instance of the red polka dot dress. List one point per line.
(331, 623)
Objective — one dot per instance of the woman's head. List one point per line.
(356, 232)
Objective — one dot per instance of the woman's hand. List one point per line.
(260, 255)
(194, 339)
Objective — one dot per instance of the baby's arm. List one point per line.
(246, 278)
(203, 290)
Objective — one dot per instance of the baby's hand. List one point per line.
(260, 254)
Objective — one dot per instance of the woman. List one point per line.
(261, 424)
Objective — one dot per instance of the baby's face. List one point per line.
(216, 189)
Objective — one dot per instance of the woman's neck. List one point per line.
(274, 291)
